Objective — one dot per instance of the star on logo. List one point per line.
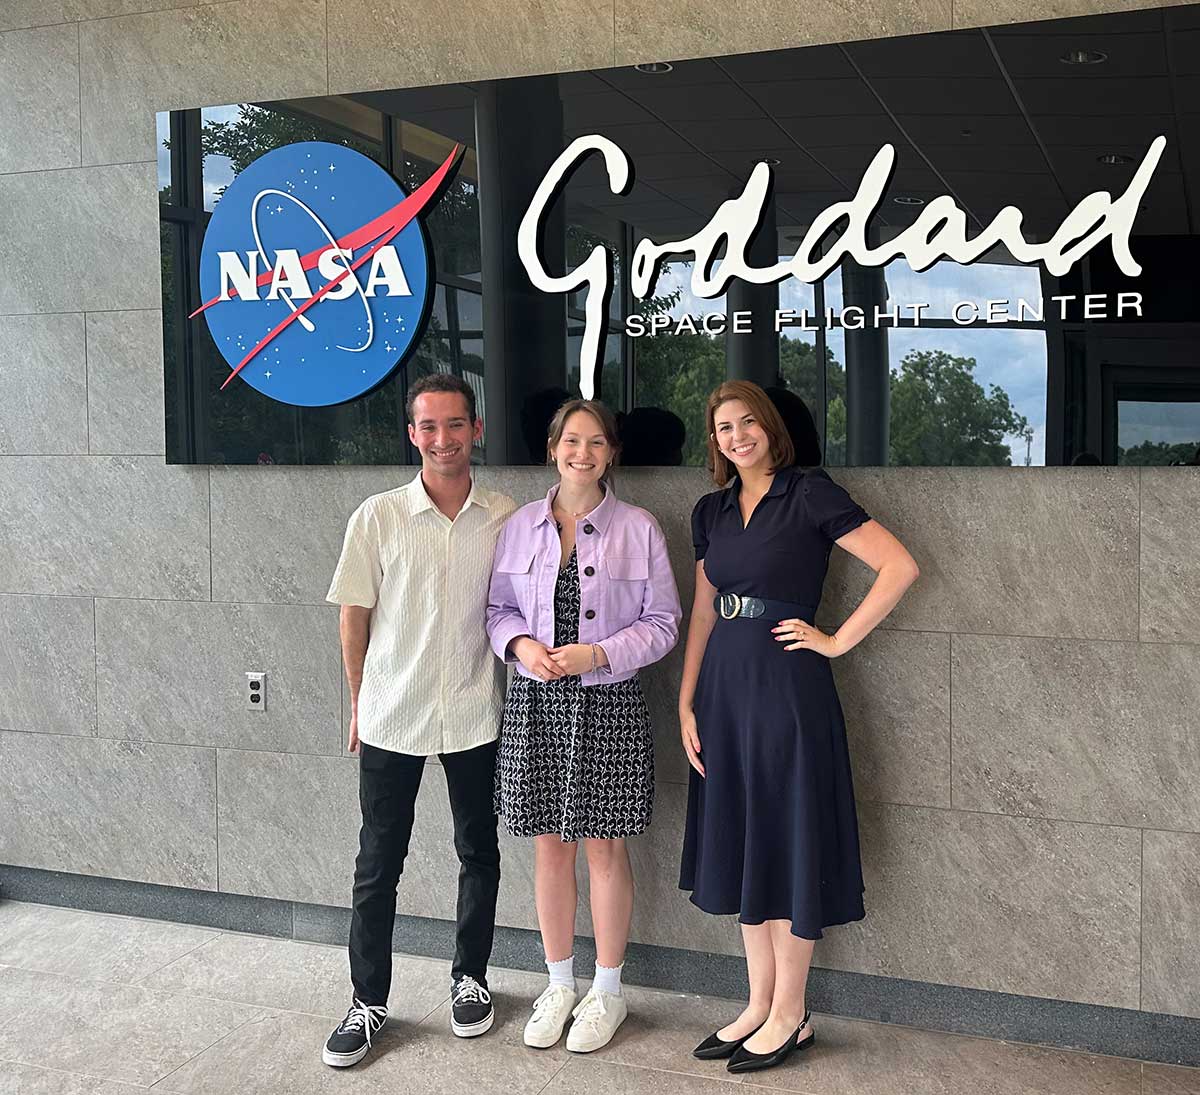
(332, 168)
(267, 374)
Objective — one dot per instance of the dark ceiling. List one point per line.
(991, 117)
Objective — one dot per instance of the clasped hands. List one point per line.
(550, 663)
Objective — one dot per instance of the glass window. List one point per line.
(1158, 432)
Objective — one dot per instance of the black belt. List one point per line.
(731, 605)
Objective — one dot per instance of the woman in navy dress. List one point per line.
(771, 831)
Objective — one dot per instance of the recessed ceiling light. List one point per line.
(1114, 159)
(1084, 57)
(655, 68)
(908, 199)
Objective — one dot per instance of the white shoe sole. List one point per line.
(473, 1030)
(344, 1060)
(545, 1041)
(598, 1045)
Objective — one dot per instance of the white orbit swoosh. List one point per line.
(304, 321)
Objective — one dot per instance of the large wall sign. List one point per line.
(316, 273)
(977, 247)
(939, 232)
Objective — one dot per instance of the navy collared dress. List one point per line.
(771, 830)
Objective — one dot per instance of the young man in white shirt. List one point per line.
(412, 581)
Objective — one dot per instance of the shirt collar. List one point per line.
(419, 500)
(598, 518)
(781, 481)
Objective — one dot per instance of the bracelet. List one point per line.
(593, 646)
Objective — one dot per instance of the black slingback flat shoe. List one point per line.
(743, 1060)
(714, 1049)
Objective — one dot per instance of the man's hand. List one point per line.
(353, 731)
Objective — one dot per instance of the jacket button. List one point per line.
(589, 571)
(590, 614)
(588, 529)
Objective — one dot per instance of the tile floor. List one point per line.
(92, 1004)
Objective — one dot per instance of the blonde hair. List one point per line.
(781, 450)
(606, 419)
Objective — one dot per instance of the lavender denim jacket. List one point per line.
(628, 600)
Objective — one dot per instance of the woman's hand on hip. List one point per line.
(536, 658)
(803, 636)
(573, 659)
(691, 739)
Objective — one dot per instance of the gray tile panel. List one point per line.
(895, 693)
(1002, 551)
(441, 47)
(113, 1032)
(33, 13)
(39, 111)
(89, 946)
(1171, 923)
(174, 671)
(125, 382)
(1032, 715)
(1041, 908)
(117, 808)
(105, 218)
(47, 664)
(135, 65)
(1170, 578)
(115, 526)
(17, 1079)
(45, 395)
(663, 31)
(288, 825)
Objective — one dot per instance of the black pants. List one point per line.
(387, 792)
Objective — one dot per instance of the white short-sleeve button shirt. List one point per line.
(430, 682)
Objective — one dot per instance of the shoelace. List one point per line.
(470, 991)
(593, 1010)
(549, 998)
(363, 1017)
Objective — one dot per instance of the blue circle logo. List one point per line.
(316, 273)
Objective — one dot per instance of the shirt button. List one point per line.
(589, 571)
(590, 614)
(588, 529)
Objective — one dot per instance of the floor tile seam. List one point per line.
(178, 958)
(69, 1072)
(588, 1061)
(557, 1072)
(233, 1030)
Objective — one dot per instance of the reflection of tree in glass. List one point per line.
(941, 416)
(257, 130)
(1158, 453)
(678, 371)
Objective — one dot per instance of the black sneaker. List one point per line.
(471, 1010)
(349, 1043)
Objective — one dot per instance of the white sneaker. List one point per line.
(596, 1020)
(551, 1011)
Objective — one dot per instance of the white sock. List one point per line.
(608, 978)
(562, 973)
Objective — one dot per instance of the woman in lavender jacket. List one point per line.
(582, 597)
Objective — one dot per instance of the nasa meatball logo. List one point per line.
(317, 274)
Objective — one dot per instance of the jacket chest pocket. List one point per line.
(628, 576)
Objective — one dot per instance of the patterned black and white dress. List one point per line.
(574, 761)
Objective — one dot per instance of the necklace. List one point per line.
(574, 515)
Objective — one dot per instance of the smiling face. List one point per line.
(583, 453)
(740, 436)
(442, 431)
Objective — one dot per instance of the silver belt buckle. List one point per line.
(731, 606)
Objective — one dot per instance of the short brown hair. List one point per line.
(782, 452)
(608, 425)
(441, 382)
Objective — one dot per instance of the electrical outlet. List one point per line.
(256, 691)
